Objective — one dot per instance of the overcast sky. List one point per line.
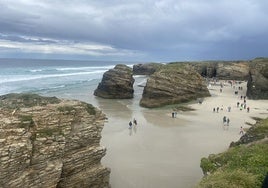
(143, 30)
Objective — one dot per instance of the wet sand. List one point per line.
(162, 151)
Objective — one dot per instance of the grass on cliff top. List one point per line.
(68, 109)
(243, 166)
(14, 100)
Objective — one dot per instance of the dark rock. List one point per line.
(206, 69)
(117, 83)
(173, 84)
(257, 87)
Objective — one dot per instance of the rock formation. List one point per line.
(117, 83)
(47, 142)
(173, 84)
(257, 87)
(206, 69)
(146, 69)
(232, 71)
(225, 70)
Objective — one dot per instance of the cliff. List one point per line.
(47, 142)
(244, 164)
(173, 84)
(257, 87)
(116, 83)
(225, 70)
(232, 71)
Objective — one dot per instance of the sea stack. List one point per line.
(117, 83)
(173, 84)
(48, 142)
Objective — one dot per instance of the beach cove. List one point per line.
(162, 151)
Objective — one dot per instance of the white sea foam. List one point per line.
(84, 68)
(36, 70)
(35, 77)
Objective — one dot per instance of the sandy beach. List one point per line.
(162, 151)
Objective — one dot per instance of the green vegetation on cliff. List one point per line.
(244, 165)
(15, 101)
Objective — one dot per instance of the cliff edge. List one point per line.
(48, 142)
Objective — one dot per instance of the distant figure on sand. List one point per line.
(135, 121)
(241, 131)
(218, 109)
(224, 119)
(247, 109)
(130, 124)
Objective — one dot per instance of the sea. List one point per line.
(72, 79)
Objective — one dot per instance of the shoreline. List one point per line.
(162, 151)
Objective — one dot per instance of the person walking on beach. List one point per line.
(241, 131)
(218, 109)
(135, 121)
(224, 119)
(228, 121)
(247, 109)
(130, 124)
(214, 109)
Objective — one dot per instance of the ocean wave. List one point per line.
(84, 68)
(36, 70)
(35, 77)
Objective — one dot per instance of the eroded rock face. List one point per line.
(117, 83)
(146, 69)
(206, 69)
(47, 142)
(233, 71)
(223, 70)
(173, 85)
(257, 87)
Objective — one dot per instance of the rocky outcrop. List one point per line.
(257, 87)
(206, 69)
(225, 70)
(146, 69)
(47, 142)
(232, 71)
(256, 132)
(117, 83)
(173, 84)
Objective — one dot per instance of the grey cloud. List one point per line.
(170, 28)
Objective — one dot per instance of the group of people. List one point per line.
(218, 108)
(134, 122)
(174, 114)
(241, 105)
